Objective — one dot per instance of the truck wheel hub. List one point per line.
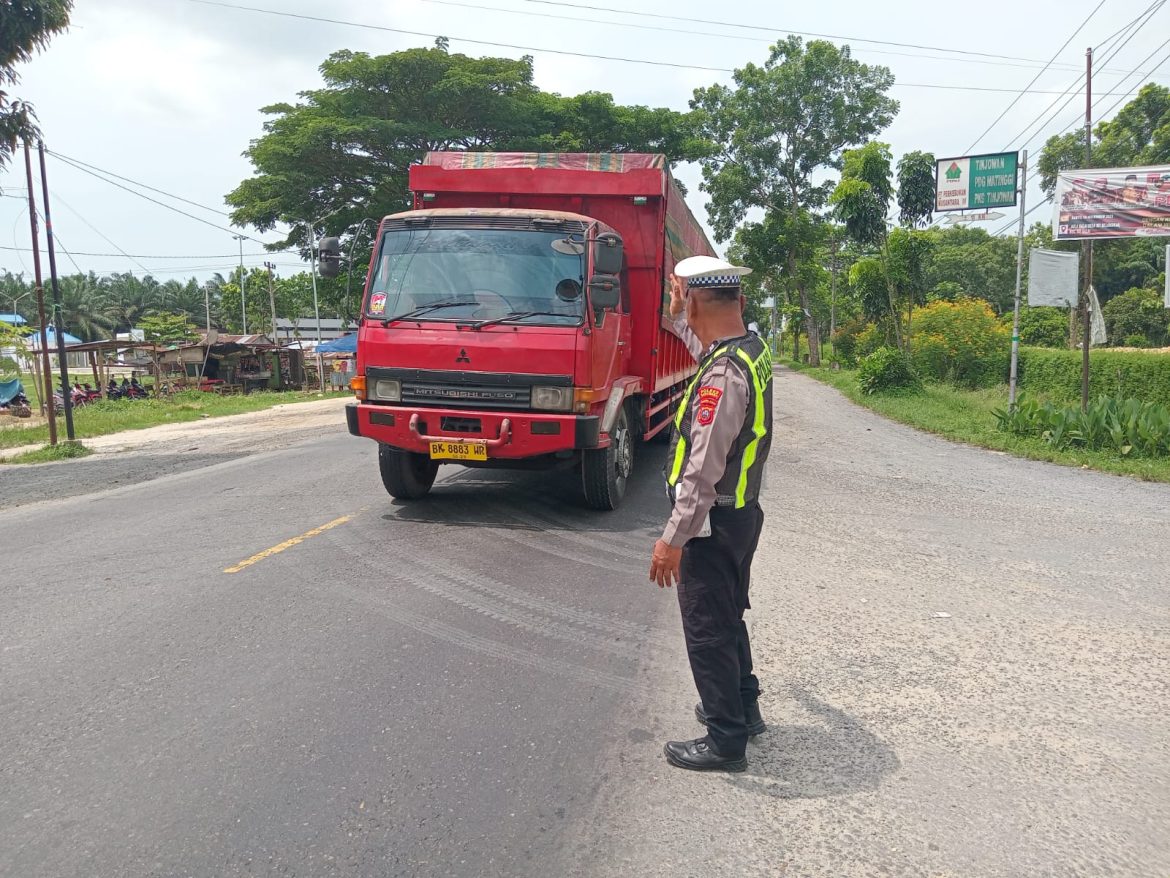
(625, 454)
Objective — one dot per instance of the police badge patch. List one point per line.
(708, 401)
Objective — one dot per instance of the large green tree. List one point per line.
(775, 133)
(1138, 135)
(26, 26)
(342, 152)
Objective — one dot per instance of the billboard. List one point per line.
(975, 182)
(1112, 203)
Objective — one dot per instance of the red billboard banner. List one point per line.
(1112, 203)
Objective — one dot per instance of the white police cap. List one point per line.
(707, 271)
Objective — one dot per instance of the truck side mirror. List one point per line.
(605, 291)
(329, 257)
(608, 253)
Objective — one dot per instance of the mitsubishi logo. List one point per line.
(463, 358)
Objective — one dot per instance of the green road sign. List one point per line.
(976, 182)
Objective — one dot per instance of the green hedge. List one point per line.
(1056, 374)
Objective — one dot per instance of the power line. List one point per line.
(156, 201)
(1016, 100)
(657, 28)
(774, 30)
(137, 183)
(1133, 27)
(414, 33)
(1077, 121)
(98, 232)
(155, 256)
(378, 27)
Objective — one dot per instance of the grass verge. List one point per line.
(113, 416)
(965, 416)
(51, 453)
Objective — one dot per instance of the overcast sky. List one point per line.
(167, 92)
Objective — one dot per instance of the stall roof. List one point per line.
(346, 344)
(34, 340)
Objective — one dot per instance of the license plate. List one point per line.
(459, 451)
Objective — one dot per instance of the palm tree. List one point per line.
(83, 309)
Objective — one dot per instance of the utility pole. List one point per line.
(243, 289)
(46, 367)
(272, 299)
(316, 306)
(1086, 336)
(1019, 275)
(58, 309)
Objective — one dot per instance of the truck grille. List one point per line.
(467, 390)
(491, 396)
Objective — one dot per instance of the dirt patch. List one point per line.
(253, 431)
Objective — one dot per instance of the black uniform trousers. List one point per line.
(713, 594)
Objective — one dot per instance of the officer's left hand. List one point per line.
(664, 564)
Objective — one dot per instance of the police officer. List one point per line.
(714, 469)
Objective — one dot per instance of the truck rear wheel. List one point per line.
(606, 471)
(407, 476)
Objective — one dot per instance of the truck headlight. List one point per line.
(553, 399)
(388, 390)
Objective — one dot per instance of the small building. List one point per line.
(234, 363)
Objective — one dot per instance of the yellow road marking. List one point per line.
(287, 544)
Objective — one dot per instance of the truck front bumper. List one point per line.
(510, 435)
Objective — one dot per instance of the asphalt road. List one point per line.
(479, 684)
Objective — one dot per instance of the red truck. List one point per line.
(513, 318)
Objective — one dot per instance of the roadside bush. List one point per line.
(1135, 341)
(1129, 427)
(1056, 375)
(962, 342)
(872, 338)
(1137, 311)
(887, 369)
(1042, 327)
(845, 341)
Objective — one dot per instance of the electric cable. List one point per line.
(655, 28)
(159, 203)
(1016, 100)
(138, 183)
(573, 54)
(767, 29)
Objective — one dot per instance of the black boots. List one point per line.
(751, 712)
(697, 755)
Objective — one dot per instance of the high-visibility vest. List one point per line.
(743, 475)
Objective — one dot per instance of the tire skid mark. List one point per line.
(572, 531)
(486, 646)
(501, 591)
(581, 617)
(538, 527)
(611, 565)
(430, 581)
(652, 527)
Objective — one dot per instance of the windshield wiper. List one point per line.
(518, 315)
(425, 309)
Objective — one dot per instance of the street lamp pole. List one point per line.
(17, 299)
(243, 289)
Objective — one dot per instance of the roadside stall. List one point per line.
(339, 356)
(234, 364)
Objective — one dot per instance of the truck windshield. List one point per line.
(497, 275)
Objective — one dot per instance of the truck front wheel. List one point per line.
(606, 471)
(407, 476)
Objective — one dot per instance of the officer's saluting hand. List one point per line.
(719, 446)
